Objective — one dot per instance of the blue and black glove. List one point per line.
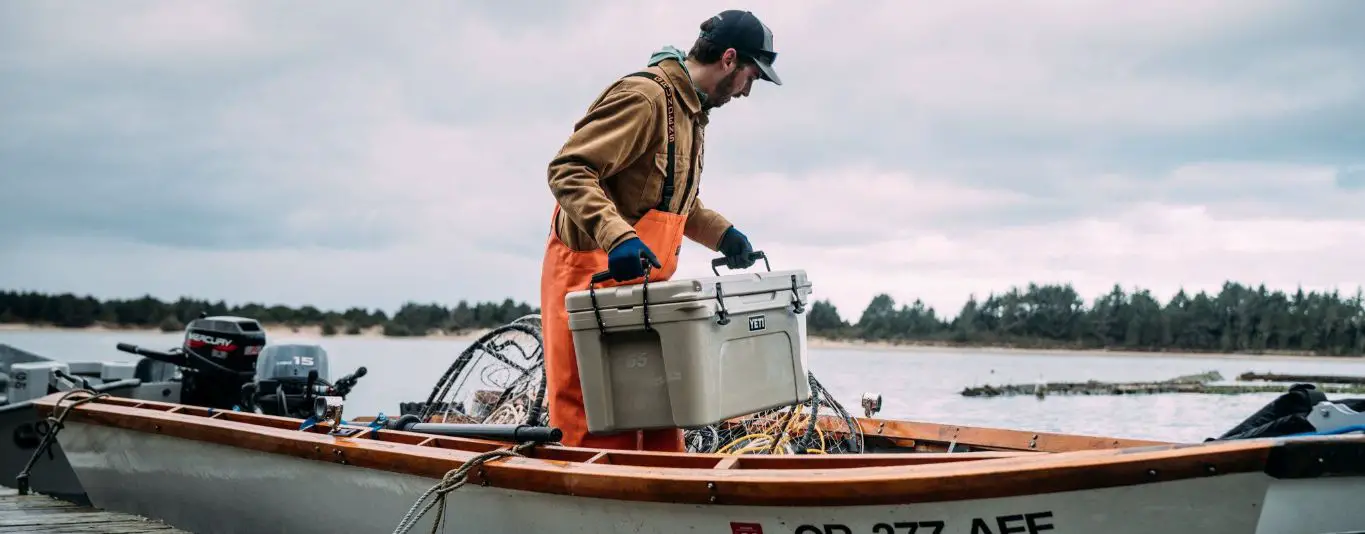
(627, 260)
(737, 250)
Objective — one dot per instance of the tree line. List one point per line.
(67, 310)
(1238, 318)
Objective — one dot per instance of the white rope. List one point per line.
(55, 424)
(452, 481)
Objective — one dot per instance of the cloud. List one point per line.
(872, 204)
(348, 153)
(1157, 246)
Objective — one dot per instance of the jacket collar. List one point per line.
(676, 74)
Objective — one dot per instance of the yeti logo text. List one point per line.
(757, 322)
(217, 341)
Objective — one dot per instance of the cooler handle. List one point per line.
(755, 255)
(597, 311)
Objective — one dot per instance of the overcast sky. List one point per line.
(343, 153)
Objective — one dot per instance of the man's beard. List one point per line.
(717, 98)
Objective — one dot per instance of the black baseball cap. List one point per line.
(742, 31)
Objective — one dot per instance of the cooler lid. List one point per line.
(689, 289)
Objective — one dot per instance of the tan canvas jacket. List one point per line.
(612, 169)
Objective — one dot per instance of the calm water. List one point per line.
(916, 385)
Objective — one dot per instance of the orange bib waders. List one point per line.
(567, 270)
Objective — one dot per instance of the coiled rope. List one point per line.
(54, 425)
(452, 481)
(819, 425)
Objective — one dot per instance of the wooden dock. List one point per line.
(40, 514)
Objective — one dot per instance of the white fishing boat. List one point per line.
(221, 472)
(784, 458)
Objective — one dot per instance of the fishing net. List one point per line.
(500, 379)
(818, 426)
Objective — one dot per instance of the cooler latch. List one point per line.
(597, 310)
(797, 305)
(722, 316)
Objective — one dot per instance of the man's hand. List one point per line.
(626, 261)
(736, 248)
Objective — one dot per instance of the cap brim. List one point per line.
(766, 69)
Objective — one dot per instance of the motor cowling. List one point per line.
(287, 379)
(233, 342)
(223, 343)
(291, 363)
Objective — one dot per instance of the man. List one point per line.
(626, 185)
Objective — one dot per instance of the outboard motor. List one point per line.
(217, 356)
(220, 355)
(290, 377)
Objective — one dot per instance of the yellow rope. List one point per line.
(773, 434)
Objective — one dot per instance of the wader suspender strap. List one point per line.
(668, 176)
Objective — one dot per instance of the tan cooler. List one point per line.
(713, 348)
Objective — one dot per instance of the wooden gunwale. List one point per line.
(982, 438)
(797, 480)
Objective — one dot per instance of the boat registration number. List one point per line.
(1030, 523)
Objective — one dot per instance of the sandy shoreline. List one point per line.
(315, 332)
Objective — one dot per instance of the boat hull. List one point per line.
(213, 488)
(19, 438)
(22, 426)
(21, 433)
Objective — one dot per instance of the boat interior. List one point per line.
(887, 442)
